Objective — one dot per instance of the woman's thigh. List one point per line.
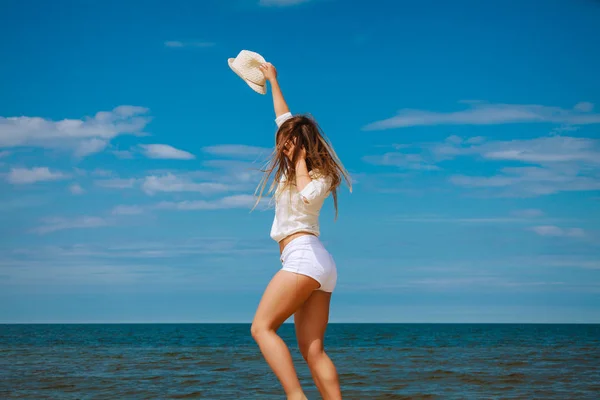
(311, 322)
(285, 293)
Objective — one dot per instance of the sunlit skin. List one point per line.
(293, 294)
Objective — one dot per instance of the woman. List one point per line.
(304, 284)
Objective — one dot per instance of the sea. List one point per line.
(374, 361)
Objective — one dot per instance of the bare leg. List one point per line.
(311, 321)
(285, 293)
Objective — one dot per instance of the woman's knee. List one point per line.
(255, 330)
(258, 329)
(311, 352)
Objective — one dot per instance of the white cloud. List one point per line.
(164, 151)
(76, 189)
(549, 164)
(83, 136)
(584, 106)
(173, 43)
(21, 202)
(22, 176)
(544, 150)
(451, 220)
(56, 224)
(127, 210)
(482, 113)
(551, 230)
(528, 213)
(475, 140)
(281, 3)
(236, 201)
(118, 261)
(91, 146)
(564, 128)
(530, 181)
(122, 111)
(179, 44)
(172, 183)
(454, 139)
(234, 171)
(230, 176)
(432, 283)
(237, 150)
(237, 173)
(568, 261)
(402, 160)
(145, 250)
(227, 202)
(116, 183)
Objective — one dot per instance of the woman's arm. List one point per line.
(302, 176)
(279, 103)
(310, 189)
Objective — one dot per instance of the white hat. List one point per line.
(246, 65)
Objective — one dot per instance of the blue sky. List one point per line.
(129, 149)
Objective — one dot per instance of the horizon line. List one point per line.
(291, 323)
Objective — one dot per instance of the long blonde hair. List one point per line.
(320, 156)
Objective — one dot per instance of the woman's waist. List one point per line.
(282, 228)
(297, 239)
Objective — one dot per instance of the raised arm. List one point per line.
(281, 107)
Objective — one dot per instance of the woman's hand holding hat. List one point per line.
(269, 71)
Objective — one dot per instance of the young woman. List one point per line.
(307, 170)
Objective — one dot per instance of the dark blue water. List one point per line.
(374, 361)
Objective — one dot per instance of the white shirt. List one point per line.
(298, 211)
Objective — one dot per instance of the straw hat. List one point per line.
(246, 65)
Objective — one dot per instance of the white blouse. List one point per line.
(298, 211)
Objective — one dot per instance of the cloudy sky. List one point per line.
(129, 154)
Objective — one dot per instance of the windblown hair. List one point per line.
(320, 157)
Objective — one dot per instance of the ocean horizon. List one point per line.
(374, 361)
(289, 323)
(458, 145)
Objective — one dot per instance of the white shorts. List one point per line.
(306, 255)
